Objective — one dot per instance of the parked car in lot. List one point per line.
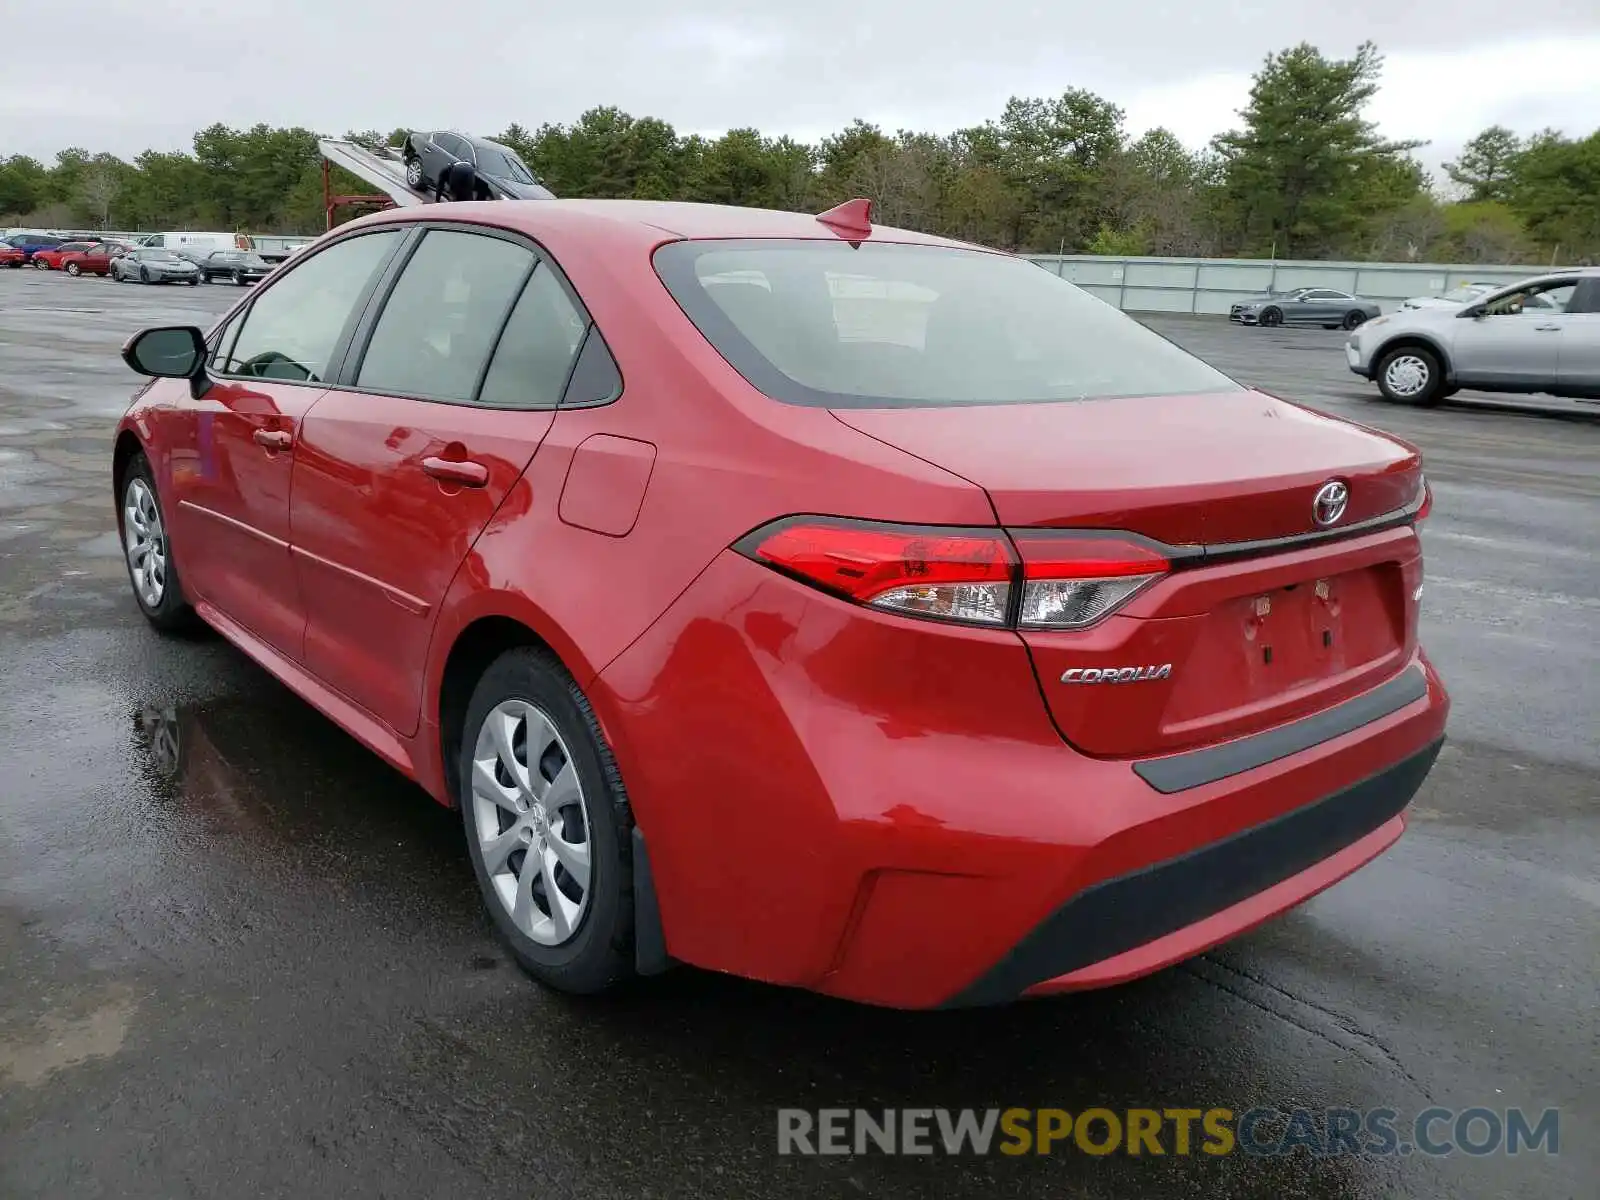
(31, 243)
(50, 260)
(1454, 298)
(1028, 653)
(153, 266)
(238, 267)
(96, 260)
(1306, 306)
(10, 256)
(501, 174)
(1539, 335)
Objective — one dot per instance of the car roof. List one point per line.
(643, 222)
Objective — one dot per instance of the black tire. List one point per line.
(1426, 361)
(173, 614)
(238, 279)
(144, 275)
(599, 953)
(1271, 317)
(195, 282)
(1354, 319)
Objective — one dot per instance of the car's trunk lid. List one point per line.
(1260, 630)
(1231, 467)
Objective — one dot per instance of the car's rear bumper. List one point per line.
(1128, 926)
(834, 800)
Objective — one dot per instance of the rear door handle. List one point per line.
(274, 439)
(462, 471)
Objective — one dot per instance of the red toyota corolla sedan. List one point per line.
(827, 604)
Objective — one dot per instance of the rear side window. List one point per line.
(292, 329)
(891, 325)
(535, 354)
(441, 319)
(1587, 298)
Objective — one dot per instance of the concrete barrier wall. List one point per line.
(1211, 285)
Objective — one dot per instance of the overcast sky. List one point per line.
(151, 72)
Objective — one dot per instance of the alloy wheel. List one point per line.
(145, 542)
(531, 819)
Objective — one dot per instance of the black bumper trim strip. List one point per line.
(1117, 915)
(1178, 772)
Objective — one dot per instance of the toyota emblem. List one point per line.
(1330, 502)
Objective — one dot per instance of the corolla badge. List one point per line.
(1116, 674)
(1330, 502)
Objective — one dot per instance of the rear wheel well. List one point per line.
(478, 645)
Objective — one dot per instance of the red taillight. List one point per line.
(1427, 500)
(1020, 578)
(943, 573)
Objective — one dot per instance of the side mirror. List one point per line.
(169, 352)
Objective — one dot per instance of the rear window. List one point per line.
(826, 324)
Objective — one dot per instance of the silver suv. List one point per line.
(1539, 335)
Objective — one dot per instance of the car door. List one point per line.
(1515, 344)
(1293, 306)
(231, 516)
(1315, 306)
(400, 470)
(1578, 362)
(442, 152)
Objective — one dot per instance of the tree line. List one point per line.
(1303, 175)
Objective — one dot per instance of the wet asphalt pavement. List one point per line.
(239, 956)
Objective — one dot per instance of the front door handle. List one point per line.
(274, 439)
(464, 472)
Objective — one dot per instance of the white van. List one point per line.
(197, 245)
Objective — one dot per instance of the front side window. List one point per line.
(294, 326)
(826, 324)
(1540, 299)
(441, 319)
